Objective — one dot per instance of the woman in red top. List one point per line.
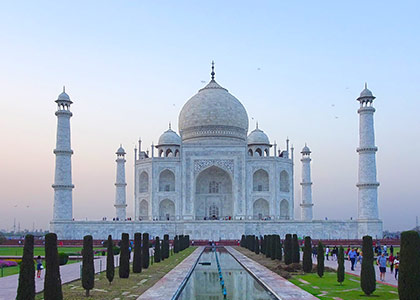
(391, 263)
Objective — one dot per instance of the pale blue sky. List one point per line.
(130, 66)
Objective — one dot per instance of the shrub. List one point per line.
(273, 247)
(146, 255)
(295, 249)
(307, 255)
(409, 271)
(165, 252)
(268, 246)
(26, 287)
(124, 269)
(257, 245)
(88, 268)
(157, 250)
(320, 260)
(242, 243)
(116, 250)
(137, 263)
(262, 244)
(176, 244)
(367, 275)
(63, 258)
(340, 269)
(278, 247)
(52, 280)
(110, 265)
(288, 249)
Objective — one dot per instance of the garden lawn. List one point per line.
(17, 251)
(15, 270)
(327, 287)
(127, 288)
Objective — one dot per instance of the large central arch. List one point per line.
(213, 194)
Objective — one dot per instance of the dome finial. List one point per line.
(365, 85)
(64, 88)
(212, 70)
(257, 125)
(170, 125)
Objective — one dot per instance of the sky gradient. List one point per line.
(129, 67)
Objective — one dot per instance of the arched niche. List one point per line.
(260, 181)
(166, 181)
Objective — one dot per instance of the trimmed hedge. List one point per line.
(288, 257)
(367, 275)
(124, 269)
(52, 280)
(88, 268)
(63, 258)
(409, 272)
(146, 255)
(340, 269)
(110, 266)
(26, 287)
(137, 258)
(307, 255)
(320, 260)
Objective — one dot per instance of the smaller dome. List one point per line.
(64, 96)
(169, 137)
(258, 137)
(120, 151)
(366, 93)
(306, 150)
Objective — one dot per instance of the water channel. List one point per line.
(204, 282)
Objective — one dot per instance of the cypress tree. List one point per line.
(157, 250)
(262, 245)
(268, 246)
(187, 241)
(252, 240)
(296, 249)
(257, 245)
(145, 252)
(88, 268)
(52, 281)
(320, 260)
(367, 275)
(307, 255)
(278, 247)
(273, 247)
(166, 244)
(242, 243)
(340, 269)
(288, 249)
(26, 287)
(409, 271)
(110, 266)
(124, 270)
(137, 259)
(181, 242)
(176, 244)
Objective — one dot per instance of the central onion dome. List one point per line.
(213, 113)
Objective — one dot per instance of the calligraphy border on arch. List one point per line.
(225, 164)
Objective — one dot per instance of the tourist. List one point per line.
(357, 257)
(352, 258)
(396, 265)
(382, 266)
(335, 253)
(327, 252)
(391, 250)
(391, 263)
(39, 266)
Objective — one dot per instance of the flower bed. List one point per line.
(7, 263)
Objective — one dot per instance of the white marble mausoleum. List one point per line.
(215, 179)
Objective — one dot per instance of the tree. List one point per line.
(320, 259)
(340, 269)
(288, 249)
(367, 275)
(26, 287)
(278, 247)
(146, 254)
(157, 250)
(88, 268)
(176, 244)
(262, 244)
(137, 259)
(257, 245)
(52, 281)
(273, 247)
(268, 246)
(110, 266)
(242, 243)
(307, 255)
(124, 269)
(409, 271)
(295, 249)
(165, 253)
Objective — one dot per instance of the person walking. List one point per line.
(391, 263)
(39, 266)
(382, 266)
(396, 266)
(327, 252)
(352, 258)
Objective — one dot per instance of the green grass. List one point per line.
(136, 284)
(18, 251)
(15, 270)
(350, 290)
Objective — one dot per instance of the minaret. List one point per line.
(63, 186)
(367, 184)
(306, 205)
(120, 199)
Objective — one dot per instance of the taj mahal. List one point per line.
(216, 180)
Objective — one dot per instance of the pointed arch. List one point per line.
(260, 181)
(284, 181)
(284, 210)
(166, 181)
(258, 152)
(144, 209)
(176, 153)
(167, 210)
(144, 182)
(261, 209)
(169, 153)
(250, 152)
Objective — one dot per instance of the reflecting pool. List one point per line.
(204, 282)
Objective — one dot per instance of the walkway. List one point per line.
(70, 272)
(277, 285)
(389, 278)
(166, 287)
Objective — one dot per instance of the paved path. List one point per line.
(277, 285)
(169, 284)
(68, 273)
(389, 278)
